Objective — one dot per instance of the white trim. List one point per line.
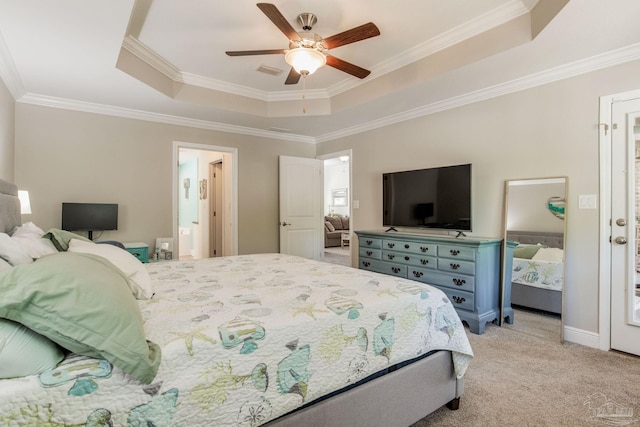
(129, 113)
(609, 59)
(8, 71)
(582, 337)
(177, 145)
(604, 278)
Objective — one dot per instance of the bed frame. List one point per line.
(400, 397)
(530, 296)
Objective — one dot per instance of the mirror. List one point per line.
(535, 221)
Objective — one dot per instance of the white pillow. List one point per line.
(4, 265)
(139, 280)
(27, 229)
(12, 252)
(29, 237)
(549, 255)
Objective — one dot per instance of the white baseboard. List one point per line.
(579, 336)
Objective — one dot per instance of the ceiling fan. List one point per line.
(308, 51)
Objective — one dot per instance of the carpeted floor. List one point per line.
(522, 375)
(337, 255)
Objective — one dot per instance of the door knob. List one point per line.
(621, 240)
(284, 224)
(621, 222)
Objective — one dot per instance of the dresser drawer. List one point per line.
(456, 266)
(458, 252)
(368, 242)
(410, 259)
(370, 253)
(411, 247)
(384, 267)
(460, 299)
(437, 278)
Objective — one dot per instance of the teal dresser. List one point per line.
(139, 250)
(466, 269)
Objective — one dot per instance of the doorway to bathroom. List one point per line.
(205, 201)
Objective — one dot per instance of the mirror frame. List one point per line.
(503, 283)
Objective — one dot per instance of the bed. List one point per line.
(265, 339)
(538, 270)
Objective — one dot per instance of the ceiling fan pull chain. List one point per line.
(304, 89)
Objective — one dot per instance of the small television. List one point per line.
(89, 217)
(435, 198)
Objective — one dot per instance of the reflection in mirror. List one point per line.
(535, 226)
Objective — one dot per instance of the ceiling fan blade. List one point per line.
(347, 67)
(280, 21)
(353, 35)
(293, 77)
(254, 52)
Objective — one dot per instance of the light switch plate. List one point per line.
(587, 201)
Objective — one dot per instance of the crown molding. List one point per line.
(609, 59)
(478, 25)
(89, 107)
(9, 73)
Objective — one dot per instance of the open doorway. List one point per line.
(205, 201)
(338, 227)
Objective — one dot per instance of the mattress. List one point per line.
(244, 340)
(539, 274)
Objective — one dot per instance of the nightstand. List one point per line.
(139, 250)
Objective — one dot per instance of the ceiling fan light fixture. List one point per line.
(305, 60)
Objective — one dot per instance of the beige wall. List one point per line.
(72, 156)
(7, 120)
(550, 130)
(545, 131)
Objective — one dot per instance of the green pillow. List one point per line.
(24, 352)
(523, 251)
(61, 238)
(83, 303)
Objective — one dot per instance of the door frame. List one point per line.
(604, 279)
(233, 153)
(348, 152)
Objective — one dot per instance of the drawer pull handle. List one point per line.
(366, 263)
(459, 282)
(395, 269)
(454, 266)
(407, 258)
(407, 246)
(135, 254)
(369, 242)
(458, 300)
(454, 252)
(369, 253)
(424, 248)
(424, 261)
(391, 256)
(417, 273)
(391, 244)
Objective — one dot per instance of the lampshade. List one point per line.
(305, 60)
(25, 204)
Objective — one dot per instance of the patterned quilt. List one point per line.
(244, 340)
(540, 274)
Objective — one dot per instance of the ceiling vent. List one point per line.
(270, 70)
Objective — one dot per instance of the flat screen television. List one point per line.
(436, 198)
(89, 217)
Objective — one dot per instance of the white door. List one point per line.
(301, 207)
(625, 317)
